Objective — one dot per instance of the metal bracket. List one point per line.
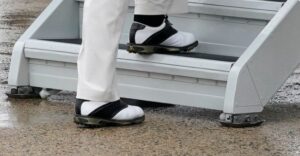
(27, 92)
(240, 120)
(24, 92)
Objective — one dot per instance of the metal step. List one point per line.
(52, 64)
(192, 54)
(221, 27)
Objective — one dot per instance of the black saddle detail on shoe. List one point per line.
(134, 28)
(155, 39)
(162, 35)
(109, 110)
(103, 116)
(106, 111)
(78, 104)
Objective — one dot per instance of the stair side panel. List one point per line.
(270, 59)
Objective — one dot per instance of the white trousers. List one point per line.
(102, 24)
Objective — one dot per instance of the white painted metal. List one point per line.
(267, 62)
(58, 15)
(241, 28)
(241, 21)
(152, 77)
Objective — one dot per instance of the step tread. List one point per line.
(53, 51)
(193, 54)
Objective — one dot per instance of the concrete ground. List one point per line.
(45, 127)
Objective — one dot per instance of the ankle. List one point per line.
(150, 20)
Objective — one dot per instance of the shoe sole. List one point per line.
(149, 49)
(98, 122)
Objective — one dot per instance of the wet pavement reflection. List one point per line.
(15, 15)
(22, 113)
(45, 127)
(47, 124)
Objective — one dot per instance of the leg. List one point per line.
(98, 101)
(102, 24)
(152, 32)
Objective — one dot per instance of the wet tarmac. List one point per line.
(45, 127)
